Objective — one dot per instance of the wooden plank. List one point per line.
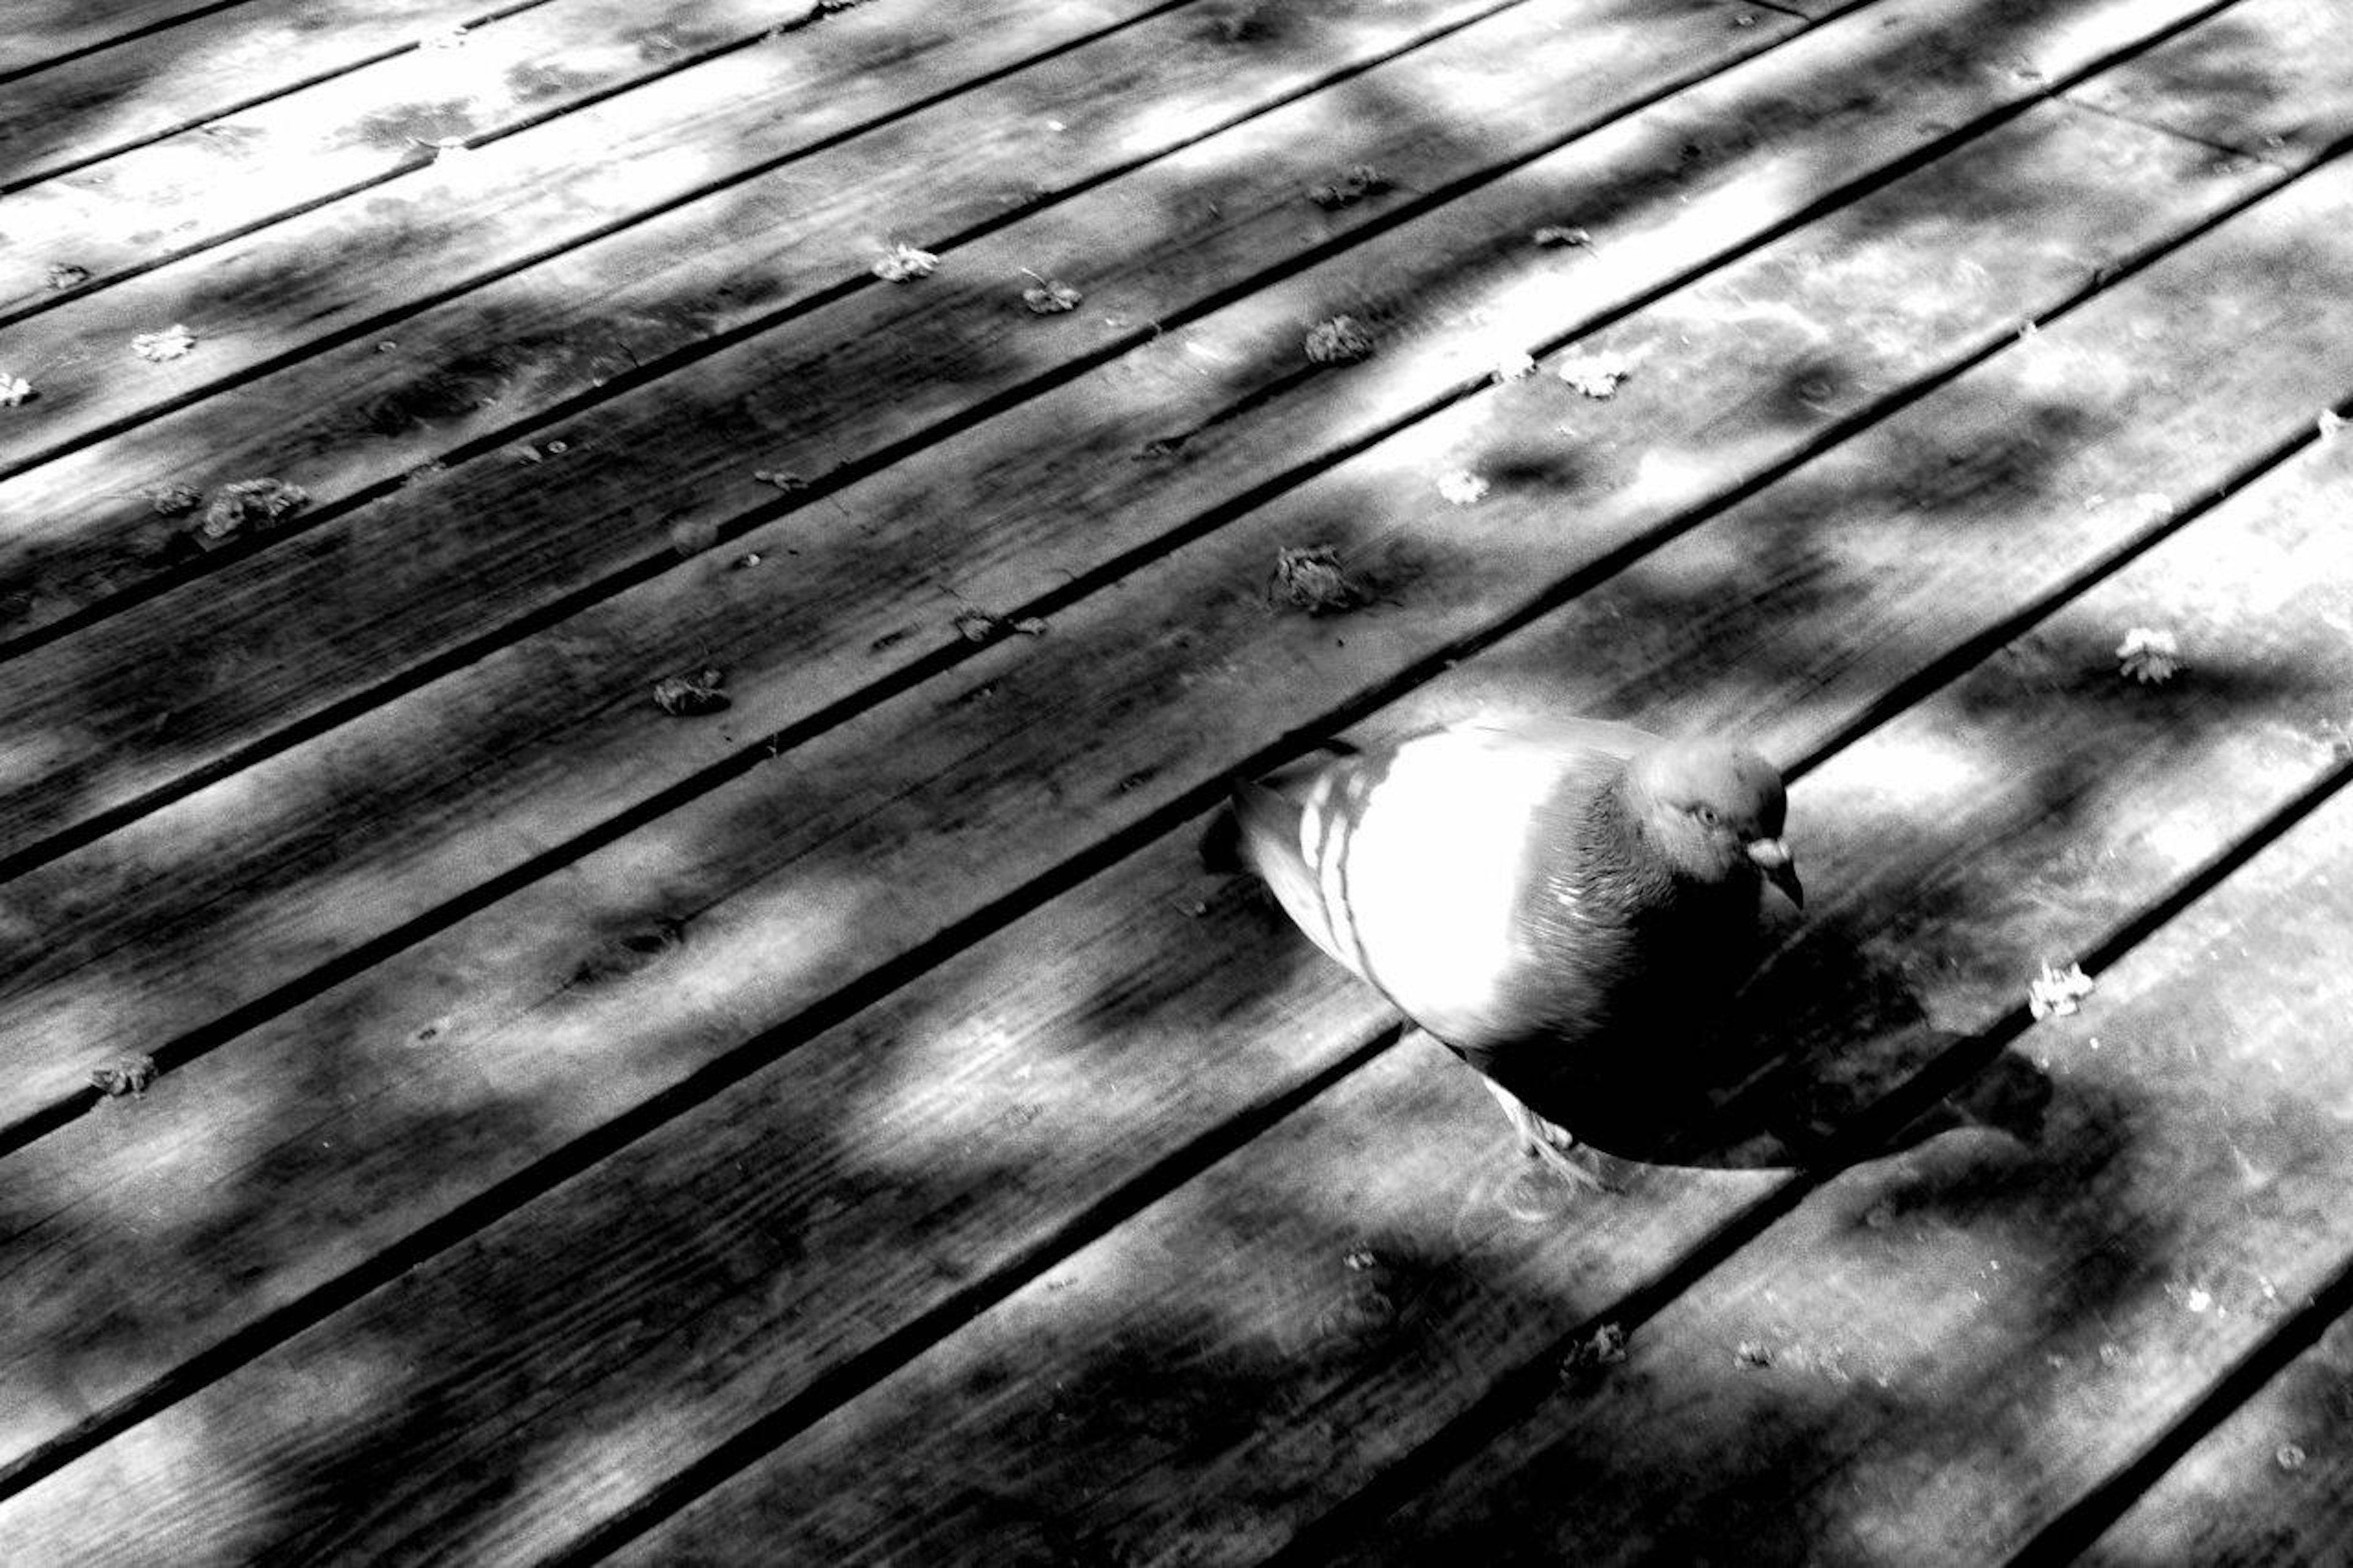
(193, 913)
(1948, 1348)
(788, 683)
(2269, 1484)
(178, 62)
(353, 131)
(1152, 1399)
(919, 783)
(2266, 80)
(52, 31)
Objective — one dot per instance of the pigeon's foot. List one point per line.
(1555, 1145)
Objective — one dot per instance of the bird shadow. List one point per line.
(1797, 1070)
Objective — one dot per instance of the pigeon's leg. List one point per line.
(1542, 1140)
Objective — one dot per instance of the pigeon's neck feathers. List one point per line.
(1629, 863)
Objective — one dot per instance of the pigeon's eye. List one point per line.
(1707, 814)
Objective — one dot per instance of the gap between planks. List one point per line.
(129, 35)
(585, 95)
(215, 111)
(2251, 1376)
(2275, 1416)
(953, 651)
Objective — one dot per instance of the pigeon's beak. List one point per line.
(1772, 858)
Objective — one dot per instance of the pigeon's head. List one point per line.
(1715, 811)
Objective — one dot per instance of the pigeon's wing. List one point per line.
(1422, 853)
(1570, 739)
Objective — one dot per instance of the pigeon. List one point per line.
(1539, 897)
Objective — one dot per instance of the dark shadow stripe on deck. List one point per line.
(194, 14)
(1519, 1393)
(240, 106)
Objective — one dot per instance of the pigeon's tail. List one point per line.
(1263, 835)
(1221, 844)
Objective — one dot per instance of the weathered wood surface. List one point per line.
(2266, 80)
(525, 1185)
(348, 424)
(536, 945)
(1057, 680)
(349, 129)
(356, 268)
(524, 344)
(2270, 1484)
(1947, 1349)
(98, 78)
(785, 684)
(2016, 817)
(1116, 504)
(841, 383)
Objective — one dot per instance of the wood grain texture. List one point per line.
(932, 785)
(341, 420)
(349, 421)
(2265, 79)
(1947, 1349)
(837, 385)
(352, 131)
(878, 1038)
(1048, 495)
(2267, 1487)
(305, 885)
(1000, 1088)
(1909, 1411)
(151, 69)
(52, 30)
(819, 621)
(293, 287)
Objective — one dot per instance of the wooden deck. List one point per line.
(458, 1110)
